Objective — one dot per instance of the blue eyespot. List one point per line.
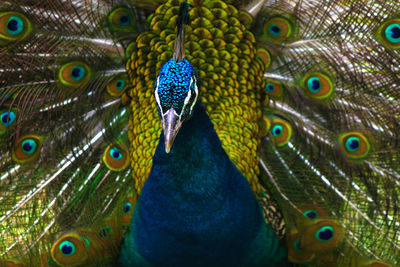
(311, 214)
(314, 84)
(392, 33)
(15, 25)
(277, 130)
(120, 84)
(105, 232)
(7, 118)
(125, 20)
(127, 207)
(29, 146)
(274, 30)
(353, 144)
(78, 73)
(270, 87)
(67, 248)
(324, 233)
(115, 153)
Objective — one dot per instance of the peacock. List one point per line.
(199, 133)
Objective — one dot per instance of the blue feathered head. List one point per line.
(176, 92)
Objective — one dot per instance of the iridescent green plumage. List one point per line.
(302, 94)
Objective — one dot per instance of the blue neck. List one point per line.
(195, 205)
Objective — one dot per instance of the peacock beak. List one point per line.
(171, 123)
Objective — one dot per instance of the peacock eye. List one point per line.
(127, 211)
(389, 33)
(27, 148)
(67, 248)
(354, 145)
(115, 153)
(274, 89)
(324, 233)
(317, 85)
(314, 85)
(127, 207)
(277, 130)
(105, 232)
(74, 74)
(78, 73)
(122, 19)
(311, 214)
(117, 86)
(116, 157)
(120, 84)
(14, 26)
(392, 33)
(71, 249)
(7, 118)
(278, 29)
(281, 132)
(270, 87)
(125, 20)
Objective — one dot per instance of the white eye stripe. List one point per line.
(189, 95)
(158, 97)
(196, 90)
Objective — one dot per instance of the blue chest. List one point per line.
(195, 206)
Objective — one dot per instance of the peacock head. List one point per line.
(176, 92)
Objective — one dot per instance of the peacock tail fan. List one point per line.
(65, 179)
(302, 94)
(331, 154)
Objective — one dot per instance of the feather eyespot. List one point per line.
(14, 26)
(281, 132)
(278, 29)
(115, 153)
(127, 210)
(392, 33)
(117, 85)
(389, 33)
(325, 233)
(116, 157)
(274, 89)
(317, 85)
(69, 250)
(277, 130)
(27, 148)
(264, 56)
(311, 214)
(122, 19)
(354, 145)
(7, 119)
(127, 207)
(105, 232)
(74, 74)
(321, 236)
